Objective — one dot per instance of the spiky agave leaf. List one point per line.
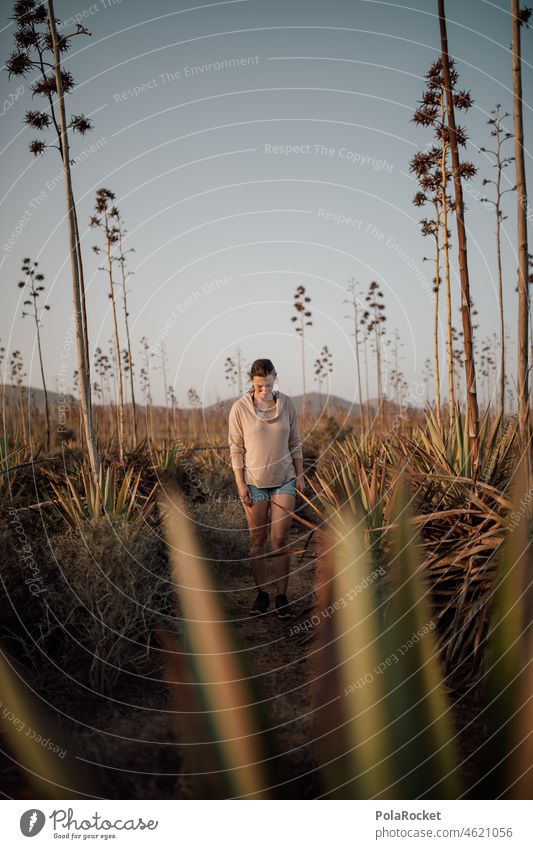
(51, 776)
(508, 662)
(425, 757)
(450, 451)
(79, 499)
(358, 479)
(353, 710)
(522, 759)
(222, 682)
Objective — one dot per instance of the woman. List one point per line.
(267, 460)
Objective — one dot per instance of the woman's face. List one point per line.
(263, 386)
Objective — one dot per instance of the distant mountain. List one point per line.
(315, 402)
(37, 396)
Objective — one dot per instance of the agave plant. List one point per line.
(212, 460)
(462, 524)
(367, 447)
(78, 499)
(166, 458)
(448, 453)
(461, 564)
(383, 718)
(356, 483)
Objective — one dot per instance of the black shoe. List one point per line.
(261, 604)
(283, 608)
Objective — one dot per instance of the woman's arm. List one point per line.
(235, 440)
(295, 447)
(237, 451)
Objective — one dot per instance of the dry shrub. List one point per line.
(221, 528)
(101, 595)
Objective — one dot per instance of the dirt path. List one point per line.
(282, 658)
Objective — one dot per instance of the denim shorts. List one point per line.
(263, 493)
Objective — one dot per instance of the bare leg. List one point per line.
(281, 523)
(257, 517)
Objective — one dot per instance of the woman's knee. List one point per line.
(279, 539)
(258, 539)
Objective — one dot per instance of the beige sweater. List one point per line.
(264, 448)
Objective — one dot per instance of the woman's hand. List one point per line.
(300, 482)
(245, 495)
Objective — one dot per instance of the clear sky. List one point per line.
(235, 136)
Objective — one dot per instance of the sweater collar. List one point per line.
(249, 400)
